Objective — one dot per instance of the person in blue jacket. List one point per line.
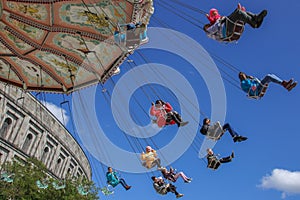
(114, 180)
(131, 26)
(254, 86)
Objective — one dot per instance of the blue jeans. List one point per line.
(271, 78)
(268, 78)
(230, 130)
(123, 183)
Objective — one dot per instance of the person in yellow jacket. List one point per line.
(150, 158)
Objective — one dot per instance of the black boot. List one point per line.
(260, 17)
(232, 155)
(239, 138)
(242, 138)
(235, 138)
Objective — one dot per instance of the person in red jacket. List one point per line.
(213, 16)
(221, 27)
(239, 14)
(165, 115)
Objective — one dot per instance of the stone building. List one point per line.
(28, 129)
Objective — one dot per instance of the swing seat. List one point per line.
(107, 190)
(215, 131)
(133, 39)
(120, 38)
(164, 191)
(57, 186)
(41, 185)
(260, 94)
(236, 33)
(143, 37)
(81, 190)
(7, 177)
(214, 164)
(153, 121)
(144, 164)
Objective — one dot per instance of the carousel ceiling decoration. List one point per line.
(62, 46)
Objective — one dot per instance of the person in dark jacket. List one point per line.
(214, 162)
(114, 180)
(235, 136)
(163, 188)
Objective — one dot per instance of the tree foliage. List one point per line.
(29, 181)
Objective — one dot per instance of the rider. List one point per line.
(235, 136)
(253, 86)
(163, 188)
(171, 175)
(165, 115)
(113, 180)
(217, 29)
(150, 158)
(212, 159)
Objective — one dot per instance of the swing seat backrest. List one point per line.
(6, 177)
(236, 33)
(163, 191)
(58, 186)
(41, 185)
(143, 36)
(144, 164)
(261, 93)
(133, 39)
(81, 190)
(215, 131)
(214, 164)
(107, 190)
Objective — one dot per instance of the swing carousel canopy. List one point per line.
(62, 46)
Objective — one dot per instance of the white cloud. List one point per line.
(59, 113)
(283, 180)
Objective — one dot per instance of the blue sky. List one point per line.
(271, 124)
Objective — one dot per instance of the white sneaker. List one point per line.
(179, 195)
(189, 180)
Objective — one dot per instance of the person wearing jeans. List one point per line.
(235, 136)
(113, 180)
(253, 86)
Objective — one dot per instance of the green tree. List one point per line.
(29, 181)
